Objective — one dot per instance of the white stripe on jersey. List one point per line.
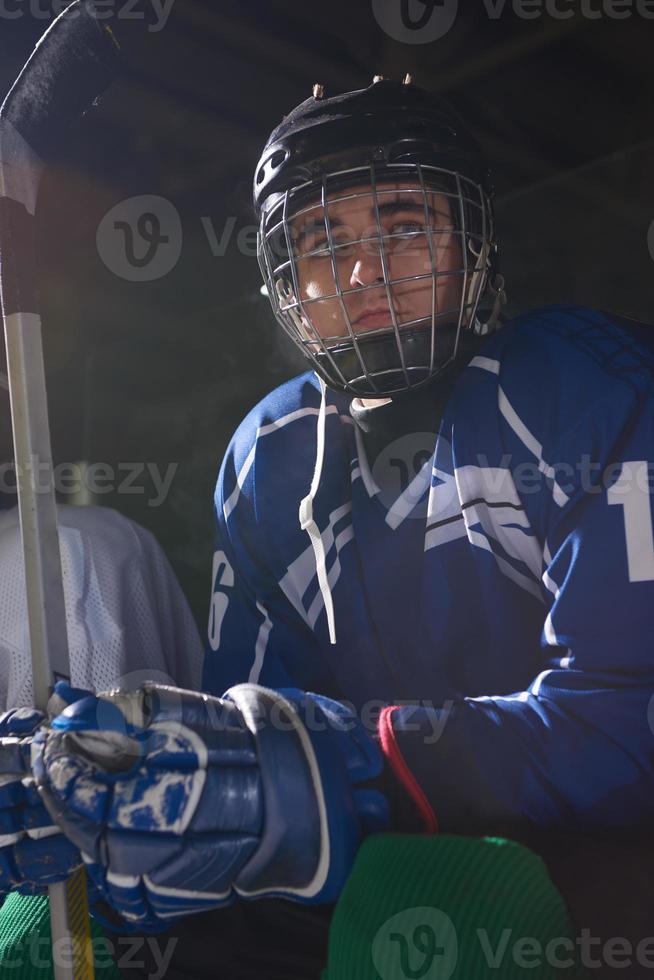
(474, 493)
(232, 500)
(260, 646)
(366, 475)
(521, 696)
(532, 444)
(302, 571)
(536, 684)
(442, 534)
(333, 575)
(550, 584)
(486, 364)
(410, 497)
(491, 499)
(481, 541)
(444, 501)
(516, 543)
(265, 430)
(520, 429)
(548, 627)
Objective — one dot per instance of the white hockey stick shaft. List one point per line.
(71, 64)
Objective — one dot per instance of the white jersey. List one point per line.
(127, 618)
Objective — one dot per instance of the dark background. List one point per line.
(163, 371)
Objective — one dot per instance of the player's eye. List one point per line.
(342, 246)
(406, 229)
(320, 248)
(311, 238)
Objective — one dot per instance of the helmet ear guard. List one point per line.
(485, 279)
(386, 134)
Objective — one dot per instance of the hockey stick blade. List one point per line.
(71, 65)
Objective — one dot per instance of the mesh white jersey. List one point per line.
(127, 618)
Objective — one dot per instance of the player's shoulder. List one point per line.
(92, 523)
(574, 343)
(90, 537)
(273, 452)
(287, 405)
(562, 380)
(575, 337)
(115, 547)
(103, 527)
(276, 423)
(300, 392)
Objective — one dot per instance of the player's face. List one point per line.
(358, 266)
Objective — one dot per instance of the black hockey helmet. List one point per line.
(385, 136)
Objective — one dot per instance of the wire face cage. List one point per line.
(374, 271)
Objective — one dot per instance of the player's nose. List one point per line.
(367, 267)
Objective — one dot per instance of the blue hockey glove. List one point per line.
(33, 851)
(180, 801)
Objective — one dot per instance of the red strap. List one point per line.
(391, 750)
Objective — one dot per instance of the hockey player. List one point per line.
(444, 529)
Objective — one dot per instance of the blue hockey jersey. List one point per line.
(504, 599)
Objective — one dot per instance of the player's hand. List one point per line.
(33, 851)
(180, 801)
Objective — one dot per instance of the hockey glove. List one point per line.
(180, 801)
(33, 851)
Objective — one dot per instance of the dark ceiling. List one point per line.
(545, 94)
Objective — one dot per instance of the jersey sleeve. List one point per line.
(575, 749)
(254, 634)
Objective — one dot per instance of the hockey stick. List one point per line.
(71, 65)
